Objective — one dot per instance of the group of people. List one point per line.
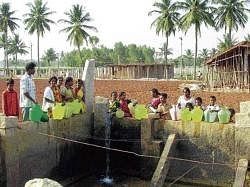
(159, 103)
(55, 92)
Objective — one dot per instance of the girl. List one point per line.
(79, 90)
(155, 100)
(67, 91)
(124, 104)
(114, 102)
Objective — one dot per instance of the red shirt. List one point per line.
(10, 105)
(124, 108)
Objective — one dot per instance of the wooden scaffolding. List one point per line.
(229, 69)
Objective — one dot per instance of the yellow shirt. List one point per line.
(163, 109)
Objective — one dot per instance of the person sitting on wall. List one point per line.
(198, 103)
(185, 98)
(212, 104)
(79, 90)
(10, 105)
(27, 90)
(114, 103)
(67, 92)
(163, 108)
(155, 100)
(124, 104)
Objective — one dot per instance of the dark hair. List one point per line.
(113, 92)
(187, 89)
(189, 105)
(122, 93)
(29, 66)
(165, 95)
(198, 99)
(9, 81)
(59, 78)
(51, 78)
(79, 81)
(213, 97)
(154, 90)
(68, 79)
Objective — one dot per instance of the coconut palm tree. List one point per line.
(213, 51)
(247, 37)
(166, 20)
(204, 53)
(231, 14)
(226, 43)
(94, 40)
(196, 12)
(17, 46)
(37, 21)
(76, 27)
(7, 22)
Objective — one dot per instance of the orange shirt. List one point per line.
(10, 105)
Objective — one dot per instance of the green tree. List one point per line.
(247, 37)
(94, 40)
(76, 28)
(226, 43)
(196, 12)
(167, 20)
(204, 53)
(213, 51)
(17, 46)
(230, 15)
(49, 57)
(37, 21)
(7, 22)
(121, 53)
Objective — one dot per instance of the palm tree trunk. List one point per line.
(196, 49)
(79, 51)
(16, 63)
(166, 49)
(38, 55)
(6, 53)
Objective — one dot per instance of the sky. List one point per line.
(116, 20)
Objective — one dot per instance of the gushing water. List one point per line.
(107, 179)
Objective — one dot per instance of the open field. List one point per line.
(139, 89)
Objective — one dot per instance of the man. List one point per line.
(27, 90)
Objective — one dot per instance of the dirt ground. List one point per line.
(140, 90)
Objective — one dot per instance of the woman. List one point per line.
(48, 96)
(185, 98)
(124, 104)
(155, 100)
(67, 91)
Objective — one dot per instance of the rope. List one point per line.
(137, 154)
(188, 171)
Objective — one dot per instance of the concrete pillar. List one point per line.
(88, 78)
(241, 172)
(8, 125)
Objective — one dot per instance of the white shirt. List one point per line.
(48, 93)
(182, 101)
(27, 85)
(214, 107)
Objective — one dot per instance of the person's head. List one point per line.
(10, 84)
(30, 68)
(114, 95)
(53, 81)
(79, 83)
(163, 98)
(59, 81)
(122, 95)
(155, 92)
(189, 106)
(69, 82)
(186, 92)
(212, 100)
(198, 101)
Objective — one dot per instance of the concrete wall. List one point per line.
(26, 153)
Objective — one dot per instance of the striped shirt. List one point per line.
(27, 85)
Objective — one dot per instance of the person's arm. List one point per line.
(4, 103)
(17, 105)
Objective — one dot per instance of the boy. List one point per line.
(198, 103)
(164, 107)
(10, 105)
(212, 104)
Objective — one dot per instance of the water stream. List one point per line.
(107, 179)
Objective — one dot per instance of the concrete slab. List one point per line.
(241, 173)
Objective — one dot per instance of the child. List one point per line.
(198, 103)
(155, 100)
(124, 104)
(189, 106)
(212, 104)
(67, 91)
(10, 105)
(164, 107)
(79, 90)
(114, 103)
